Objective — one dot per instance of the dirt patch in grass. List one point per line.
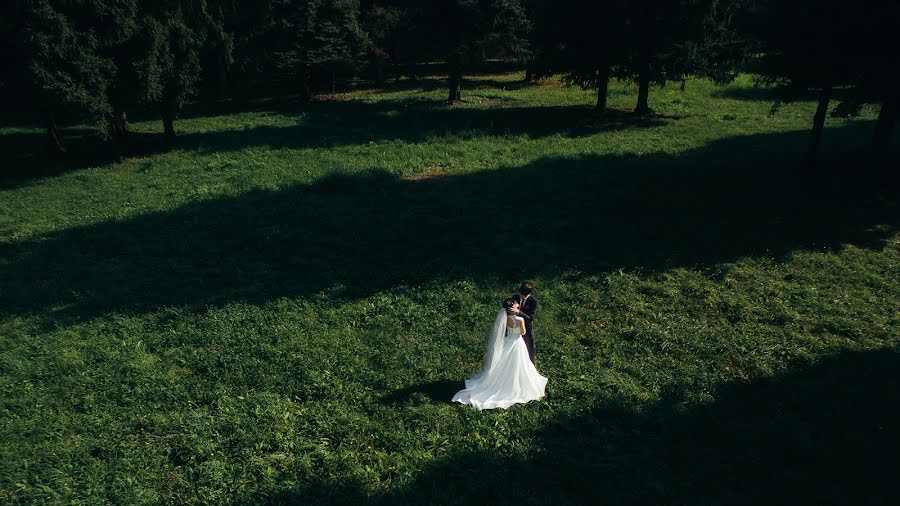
(429, 173)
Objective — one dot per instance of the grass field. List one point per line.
(278, 308)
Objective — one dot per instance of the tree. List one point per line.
(225, 26)
(661, 36)
(464, 32)
(62, 62)
(873, 65)
(582, 39)
(382, 23)
(398, 36)
(722, 51)
(336, 43)
(319, 39)
(116, 28)
(644, 40)
(802, 50)
(240, 46)
(171, 36)
(17, 91)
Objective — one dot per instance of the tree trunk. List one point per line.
(529, 76)
(818, 125)
(379, 64)
(454, 90)
(411, 71)
(123, 123)
(884, 127)
(168, 117)
(454, 85)
(303, 78)
(53, 134)
(222, 81)
(332, 82)
(393, 61)
(602, 87)
(643, 106)
(119, 124)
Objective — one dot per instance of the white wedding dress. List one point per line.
(507, 376)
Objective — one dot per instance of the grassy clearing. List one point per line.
(278, 308)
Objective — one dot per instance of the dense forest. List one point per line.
(99, 61)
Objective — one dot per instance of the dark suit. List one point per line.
(527, 311)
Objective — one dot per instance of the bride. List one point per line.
(507, 377)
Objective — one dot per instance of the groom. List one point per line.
(528, 306)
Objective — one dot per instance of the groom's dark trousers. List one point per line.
(527, 309)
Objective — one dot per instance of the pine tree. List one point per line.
(241, 46)
(64, 64)
(584, 40)
(335, 43)
(382, 23)
(170, 39)
(319, 39)
(873, 65)
(117, 27)
(661, 37)
(802, 50)
(465, 32)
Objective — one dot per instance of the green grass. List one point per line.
(278, 308)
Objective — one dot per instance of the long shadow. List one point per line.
(751, 93)
(488, 83)
(828, 433)
(769, 94)
(354, 235)
(318, 124)
(416, 120)
(24, 157)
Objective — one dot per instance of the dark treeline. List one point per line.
(101, 60)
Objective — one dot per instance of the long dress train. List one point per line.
(508, 377)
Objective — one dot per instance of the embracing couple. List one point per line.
(508, 375)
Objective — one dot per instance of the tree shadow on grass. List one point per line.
(770, 94)
(319, 125)
(354, 235)
(337, 124)
(506, 85)
(826, 433)
(24, 156)
(752, 93)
